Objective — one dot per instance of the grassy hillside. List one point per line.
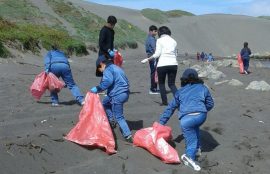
(265, 17)
(88, 25)
(30, 37)
(163, 16)
(24, 24)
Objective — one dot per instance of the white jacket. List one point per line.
(165, 51)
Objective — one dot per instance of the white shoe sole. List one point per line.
(189, 164)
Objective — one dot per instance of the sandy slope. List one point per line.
(223, 35)
(234, 141)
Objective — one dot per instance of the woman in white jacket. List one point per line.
(167, 63)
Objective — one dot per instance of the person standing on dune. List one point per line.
(245, 55)
(106, 41)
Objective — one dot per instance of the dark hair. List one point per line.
(112, 20)
(245, 44)
(164, 30)
(190, 80)
(55, 46)
(152, 28)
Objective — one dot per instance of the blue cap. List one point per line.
(190, 73)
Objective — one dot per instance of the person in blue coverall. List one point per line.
(116, 83)
(245, 55)
(57, 63)
(150, 48)
(193, 100)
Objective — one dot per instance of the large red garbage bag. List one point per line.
(154, 139)
(93, 128)
(54, 84)
(240, 63)
(39, 85)
(118, 59)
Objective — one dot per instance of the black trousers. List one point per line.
(171, 72)
(152, 65)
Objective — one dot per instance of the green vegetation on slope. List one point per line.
(163, 16)
(155, 15)
(23, 11)
(3, 51)
(88, 25)
(178, 13)
(30, 36)
(264, 17)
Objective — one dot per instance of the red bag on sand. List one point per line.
(39, 85)
(118, 59)
(240, 63)
(54, 84)
(154, 140)
(93, 128)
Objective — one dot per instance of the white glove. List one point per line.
(144, 60)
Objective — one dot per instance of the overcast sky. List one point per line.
(198, 7)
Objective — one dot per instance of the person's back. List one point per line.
(192, 99)
(115, 79)
(55, 56)
(167, 47)
(245, 53)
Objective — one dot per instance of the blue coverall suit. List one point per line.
(150, 47)
(116, 83)
(245, 54)
(193, 102)
(56, 62)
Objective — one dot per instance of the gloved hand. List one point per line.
(94, 90)
(111, 53)
(47, 71)
(145, 60)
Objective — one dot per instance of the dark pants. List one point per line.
(152, 65)
(246, 64)
(164, 71)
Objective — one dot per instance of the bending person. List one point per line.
(57, 63)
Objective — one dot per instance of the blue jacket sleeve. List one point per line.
(106, 82)
(166, 115)
(209, 102)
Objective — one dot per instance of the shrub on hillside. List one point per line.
(3, 51)
(31, 36)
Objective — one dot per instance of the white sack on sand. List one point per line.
(259, 85)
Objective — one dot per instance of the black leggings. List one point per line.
(162, 72)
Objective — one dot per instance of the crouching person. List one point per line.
(57, 63)
(193, 100)
(116, 83)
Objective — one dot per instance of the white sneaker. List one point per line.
(199, 152)
(55, 104)
(190, 163)
(245, 72)
(153, 92)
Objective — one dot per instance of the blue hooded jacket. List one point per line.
(245, 53)
(191, 98)
(150, 45)
(55, 56)
(114, 80)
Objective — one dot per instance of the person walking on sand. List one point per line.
(150, 47)
(106, 41)
(57, 63)
(193, 100)
(167, 63)
(116, 83)
(245, 55)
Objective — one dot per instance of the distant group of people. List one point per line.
(193, 99)
(205, 57)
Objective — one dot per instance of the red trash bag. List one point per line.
(156, 76)
(240, 63)
(118, 59)
(93, 128)
(39, 85)
(154, 140)
(54, 84)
